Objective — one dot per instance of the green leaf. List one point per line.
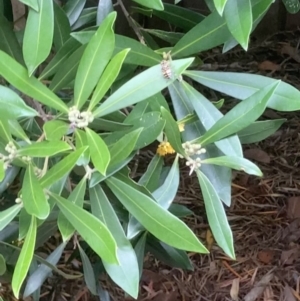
(77, 197)
(55, 129)
(211, 32)
(33, 196)
(292, 6)
(17, 76)
(81, 141)
(259, 130)
(44, 149)
(235, 163)
(150, 179)
(172, 131)
(63, 78)
(63, 53)
(73, 10)
(24, 260)
(216, 216)
(179, 16)
(126, 274)
(154, 218)
(238, 15)
(169, 255)
(6, 216)
(99, 151)
(241, 86)
(208, 115)
(220, 5)
(5, 133)
(88, 272)
(240, 116)
(167, 36)
(2, 265)
(90, 228)
(139, 54)
(2, 170)
(167, 192)
(94, 60)
(38, 35)
(142, 86)
(8, 40)
(109, 75)
(123, 147)
(154, 4)
(10, 175)
(37, 278)
(31, 3)
(62, 27)
(17, 130)
(24, 223)
(105, 7)
(62, 168)
(87, 17)
(140, 252)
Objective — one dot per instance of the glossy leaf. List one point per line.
(17, 107)
(139, 249)
(220, 5)
(5, 133)
(216, 216)
(124, 147)
(154, 4)
(62, 168)
(241, 86)
(208, 116)
(2, 265)
(172, 131)
(31, 3)
(17, 76)
(166, 193)
(90, 228)
(62, 27)
(37, 278)
(235, 163)
(99, 151)
(55, 129)
(63, 53)
(88, 272)
(77, 197)
(172, 231)
(24, 260)
(259, 130)
(44, 149)
(8, 40)
(81, 141)
(209, 33)
(105, 7)
(67, 70)
(94, 60)
(38, 35)
(238, 16)
(138, 88)
(33, 196)
(126, 274)
(7, 215)
(17, 130)
(139, 54)
(167, 36)
(73, 10)
(87, 17)
(242, 115)
(108, 77)
(2, 170)
(150, 179)
(10, 174)
(179, 16)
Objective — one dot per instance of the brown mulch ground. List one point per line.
(264, 216)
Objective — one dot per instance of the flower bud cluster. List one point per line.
(80, 119)
(192, 150)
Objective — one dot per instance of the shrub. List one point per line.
(78, 104)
